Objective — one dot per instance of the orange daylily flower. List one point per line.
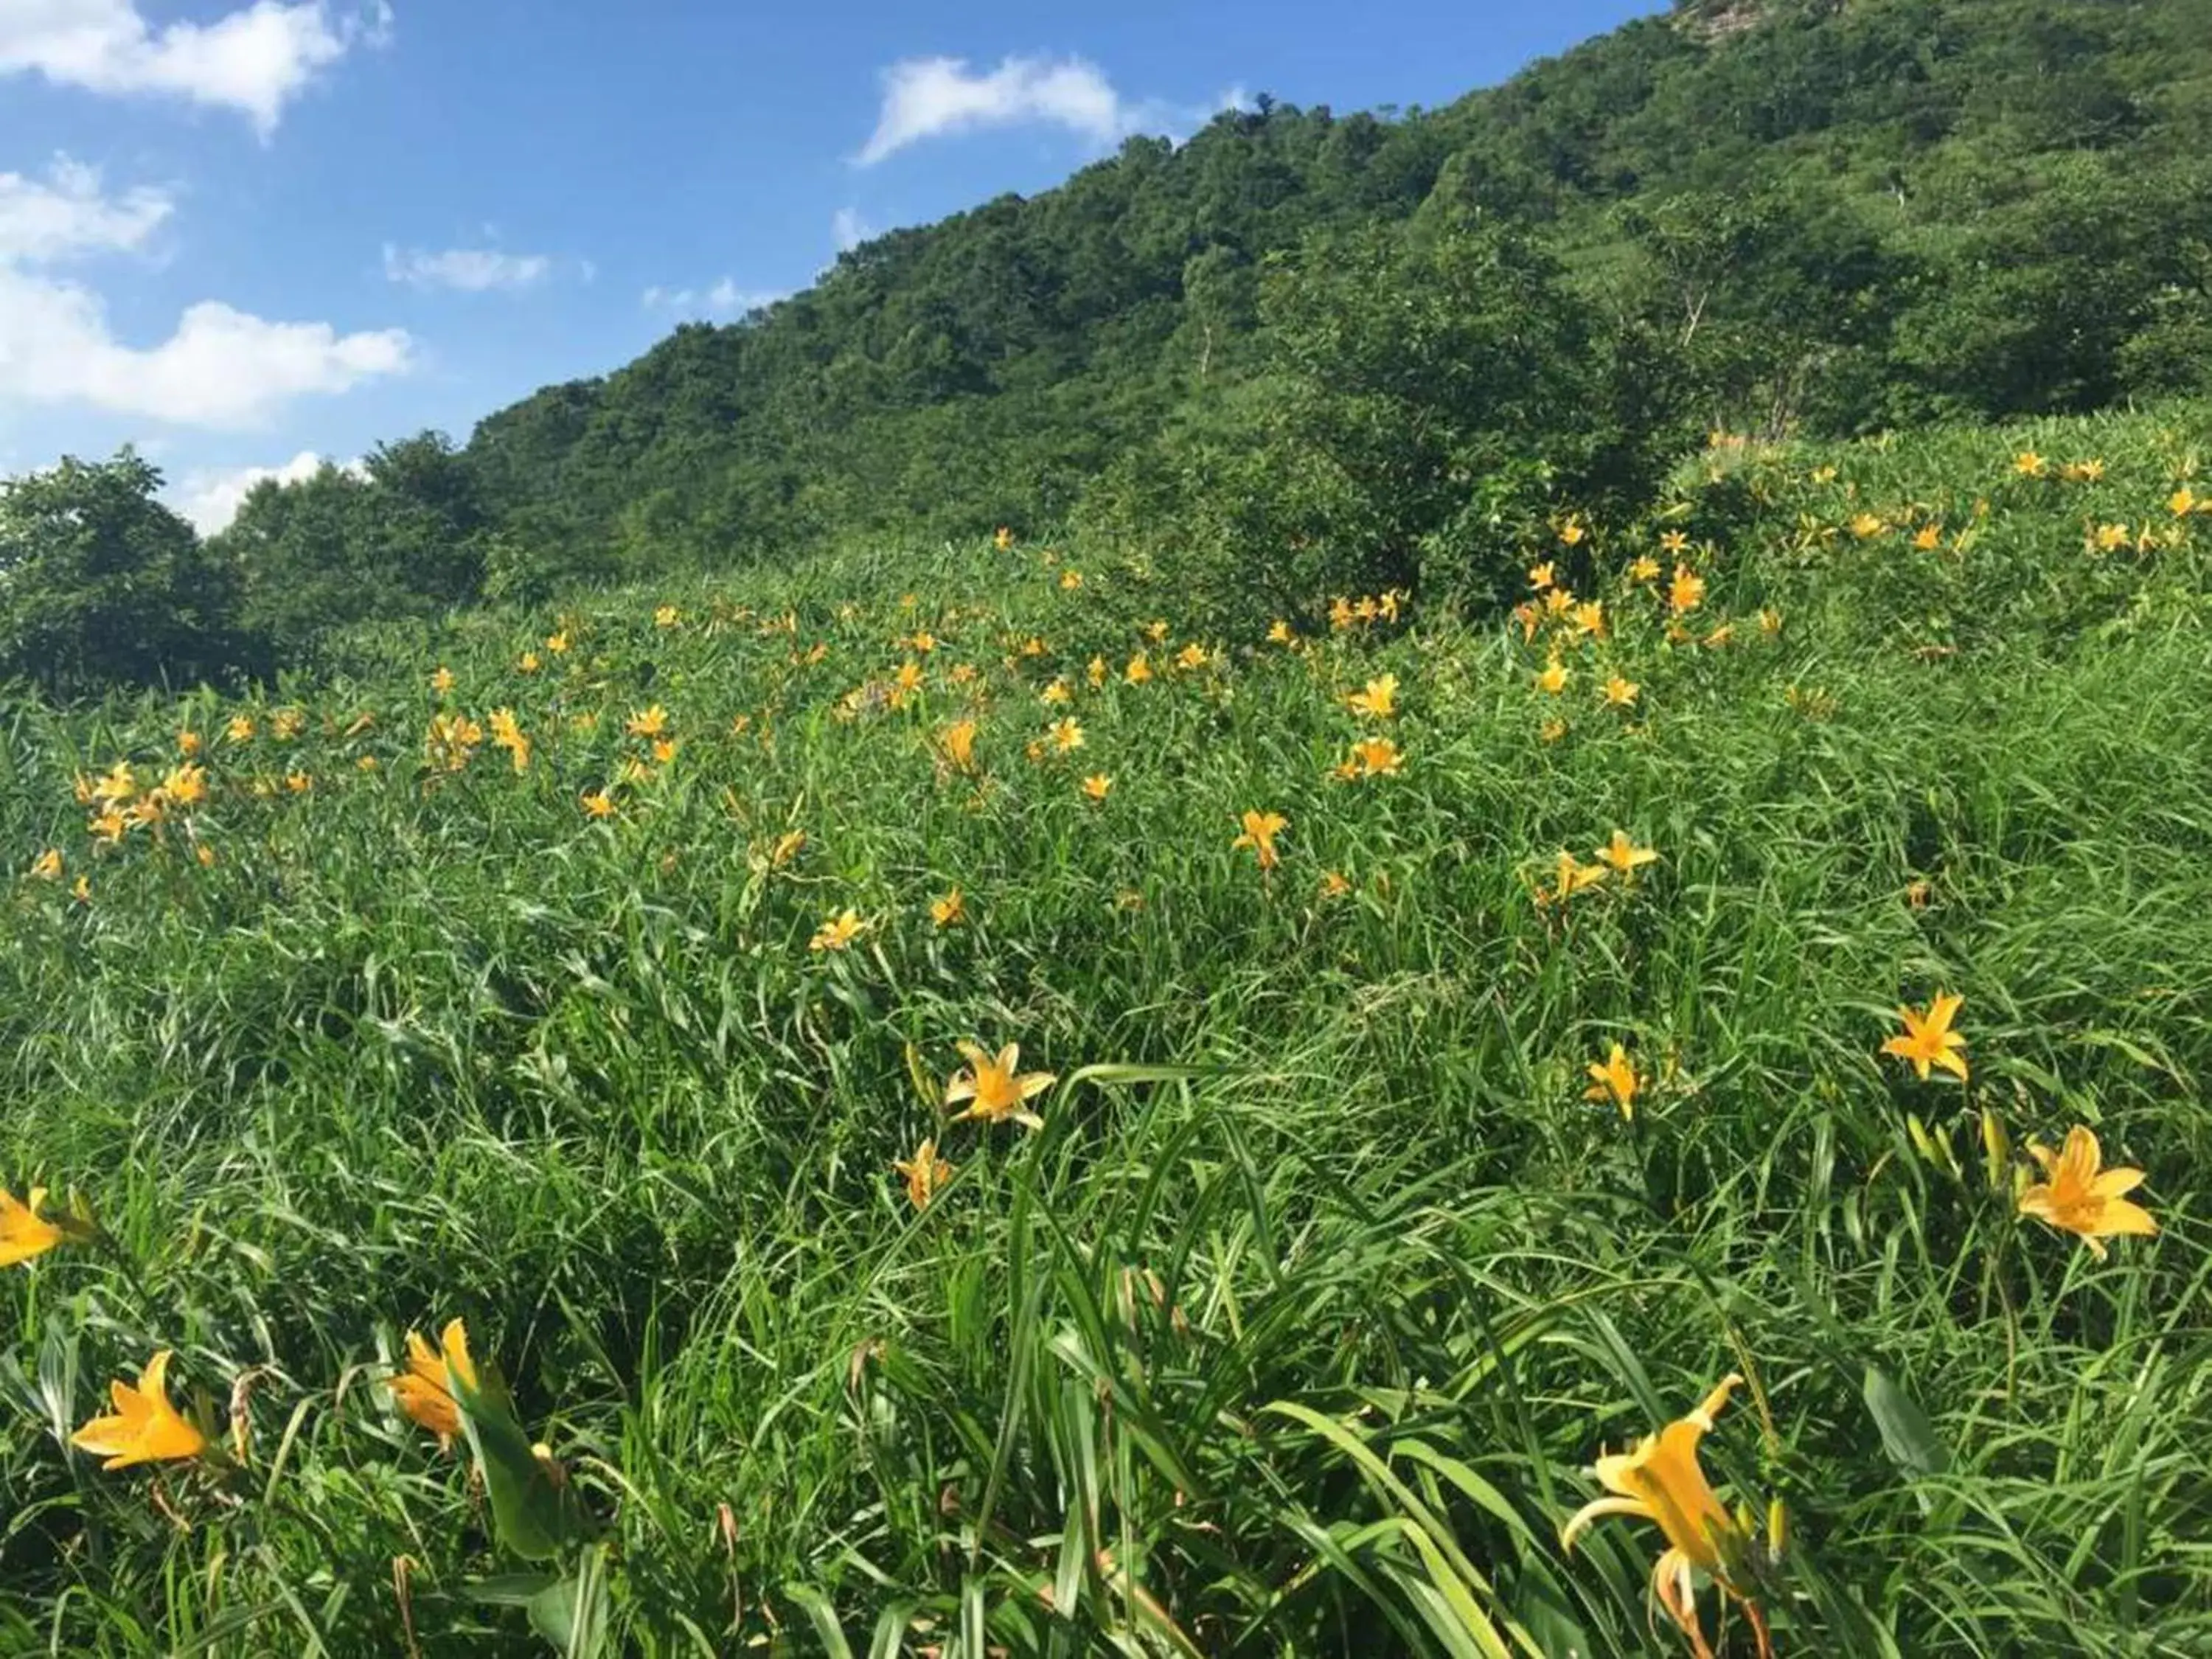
(1380, 699)
(423, 1392)
(995, 1088)
(1259, 831)
(1660, 1481)
(25, 1234)
(925, 1173)
(2078, 1195)
(838, 932)
(1929, 1039)
(1624, 855)
(145, 1428)
(1614, 1079)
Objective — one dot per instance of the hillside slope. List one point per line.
(2002, 205)
(1462, 1047)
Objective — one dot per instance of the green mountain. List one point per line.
(1904, 209)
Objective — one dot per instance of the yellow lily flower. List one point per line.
(838, 932)
(948, 909)
(956, 743)
(424, 1393)
(1553, 679)
(1098, 785)
(1661, 1481)
(1379, 700)
(1620, 693)
(145, 1427)
(1686, 591)
(995, 1087)
(1373, 758)
(24, 1233)
(2078, 1195)
(1929, 1039)
(1624, 855)
(1260, 831)
(925, 1173)
(1573, 877)
(1615, 1079)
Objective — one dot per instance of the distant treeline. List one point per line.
(1302, 348)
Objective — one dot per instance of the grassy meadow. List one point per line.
(586, 976)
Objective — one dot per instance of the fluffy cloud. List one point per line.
(255, 60)
(65, 215)
(929, 97)
(724, 299)
(469, 270)
(210, 498)
(219, 368)
(849, 230)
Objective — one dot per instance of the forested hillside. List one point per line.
(1860, 216)
(1377, 346)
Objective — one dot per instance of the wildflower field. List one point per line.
(933, 1102)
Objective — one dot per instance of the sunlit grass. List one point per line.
(1298, 1326)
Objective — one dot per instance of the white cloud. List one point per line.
(929, 97)
(469, 270)
(66, 216)
(220, 366)
(850, 229)
(724, 299)
(255, 60)
(210, 498)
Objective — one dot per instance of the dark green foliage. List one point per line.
(100, 585)
(1783, 215)
(1429, 396)
(407, 536)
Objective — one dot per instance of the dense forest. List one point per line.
(1302, 347)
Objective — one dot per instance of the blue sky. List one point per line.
(240, 233)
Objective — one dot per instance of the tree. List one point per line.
(407, 535)
(100, 585)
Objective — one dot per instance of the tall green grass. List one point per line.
(1297, 1328)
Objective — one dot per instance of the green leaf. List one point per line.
(571, 1612)
(1907, 1434)
(534, 1508)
